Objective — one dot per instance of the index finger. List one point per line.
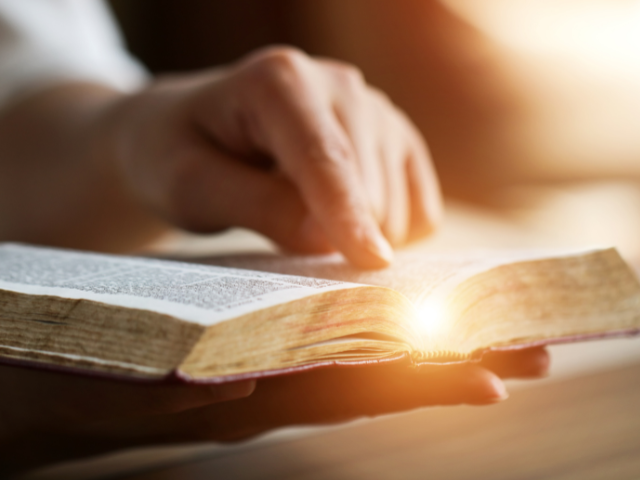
(296, 124)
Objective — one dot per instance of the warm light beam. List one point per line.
(432, 316)
(597, 33)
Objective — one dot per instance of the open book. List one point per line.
(250, 316)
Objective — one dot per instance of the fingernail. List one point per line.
(499, 390)
(378, 245)
(231, 391)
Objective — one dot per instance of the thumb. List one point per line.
(272, 206)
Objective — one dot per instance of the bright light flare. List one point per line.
(574, 66)
(432, 316)
(602, 33)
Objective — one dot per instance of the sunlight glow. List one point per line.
(432, 316)
(574, 67)
(601, 33)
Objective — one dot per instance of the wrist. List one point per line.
(61, 168)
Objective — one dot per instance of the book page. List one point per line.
(196, 293)
(417, 275)
(426, 279)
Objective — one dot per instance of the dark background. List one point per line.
(174, 35)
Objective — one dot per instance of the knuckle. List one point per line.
(394, 114)
(349, 77)
(386, 105)
(277, 64)
(332, 152)
(283, 55)
(380, 96)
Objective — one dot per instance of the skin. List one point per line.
(299, 149)
(87, 416)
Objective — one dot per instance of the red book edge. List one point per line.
(181, 377)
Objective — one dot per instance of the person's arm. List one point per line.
(299, 149)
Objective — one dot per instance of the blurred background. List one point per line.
(531, 108)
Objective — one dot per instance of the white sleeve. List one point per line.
(44, 42)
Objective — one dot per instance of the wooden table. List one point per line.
(583, 428)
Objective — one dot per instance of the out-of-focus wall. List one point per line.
(506, 92)
(178, 35)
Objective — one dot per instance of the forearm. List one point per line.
(59, 181)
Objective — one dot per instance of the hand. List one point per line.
(331, 395)
(299, 149)
(86, 416)
(48, 416)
